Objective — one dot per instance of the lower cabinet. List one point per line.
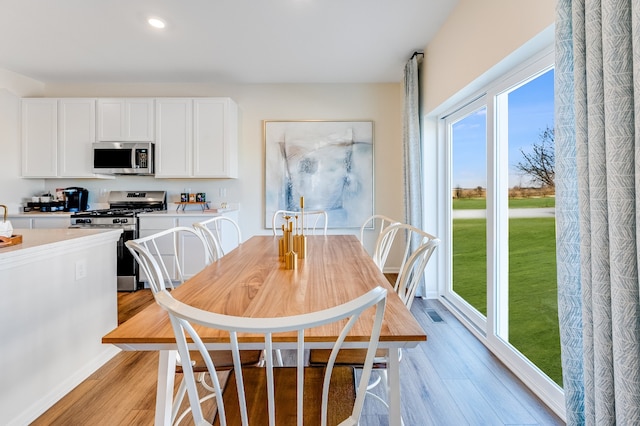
(189, 252)
(42, 222)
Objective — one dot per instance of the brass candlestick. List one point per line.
(291, 257)
(302, 239)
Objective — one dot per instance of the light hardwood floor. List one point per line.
(451, 379)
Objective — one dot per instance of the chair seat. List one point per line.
(354, 357)
(342, 394)
(223, 360)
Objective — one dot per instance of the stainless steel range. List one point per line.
(123, 211)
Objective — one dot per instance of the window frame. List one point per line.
(497, 210)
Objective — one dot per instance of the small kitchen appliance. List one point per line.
(75, 199)
(123, 211)
(123, 158)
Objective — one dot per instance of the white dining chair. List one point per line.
(212, 230)
(412, 267)
(279, 394)
(156, 256)
(375, 224)
(314, 221)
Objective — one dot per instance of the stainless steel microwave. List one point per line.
(123, 158)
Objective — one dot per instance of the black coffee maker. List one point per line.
(75, 199)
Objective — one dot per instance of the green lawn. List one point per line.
(514, 203)
(533, 308)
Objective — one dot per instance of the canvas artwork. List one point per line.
(329, 163)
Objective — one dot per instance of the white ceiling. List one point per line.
(216, 41)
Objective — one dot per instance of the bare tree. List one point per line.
(539, 164)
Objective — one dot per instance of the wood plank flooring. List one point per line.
(451, 379)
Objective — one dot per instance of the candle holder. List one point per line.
(293, 243)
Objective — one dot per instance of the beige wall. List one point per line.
(477, 36)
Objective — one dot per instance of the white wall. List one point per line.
(378, 102)
(12, 187)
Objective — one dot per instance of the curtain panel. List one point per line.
(597, 186)
(412, 150)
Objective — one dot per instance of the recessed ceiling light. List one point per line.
(157, 23)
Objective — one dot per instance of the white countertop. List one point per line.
(40, 214)
(35, 240)
(188, 213)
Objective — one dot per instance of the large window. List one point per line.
(501, 222)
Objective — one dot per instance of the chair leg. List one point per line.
(177, 401)
(382, 378)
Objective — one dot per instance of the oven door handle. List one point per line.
(121, 246)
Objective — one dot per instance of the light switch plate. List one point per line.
(81, 269)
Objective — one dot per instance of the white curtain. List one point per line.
(411, 134)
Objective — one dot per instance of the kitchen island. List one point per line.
(58, 299)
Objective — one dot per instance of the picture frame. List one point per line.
(329, 163)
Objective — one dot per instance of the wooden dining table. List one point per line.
(252, 281)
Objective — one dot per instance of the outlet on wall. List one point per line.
(81, 269)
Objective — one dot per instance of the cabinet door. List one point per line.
(174, 138)
(76, 133)
(111, 119)
(20, 223)
(192, 254)
(139, 120)
(51, 222)
(125, 119)
(215, 138)
(39, 138)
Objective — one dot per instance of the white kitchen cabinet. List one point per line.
(189, 251)
(40, 137)
(215, 138)
(40, 221)
(20, 223)
(51, 222)
(126, 119)
(196, 138)
(76, 133)
(56, 138)
(174, 138)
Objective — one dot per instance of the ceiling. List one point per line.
(216, 41)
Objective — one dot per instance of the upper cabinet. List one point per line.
(56, 137)
(130, 119)
(39, 137)
(174, 138)
(76, 134)
(196, 138)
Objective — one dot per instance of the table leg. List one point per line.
(393, 375)
(164, 391)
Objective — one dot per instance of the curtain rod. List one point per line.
(416, 53)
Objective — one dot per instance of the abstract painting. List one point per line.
(329, 163)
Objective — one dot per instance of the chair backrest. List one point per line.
(311, 221)
(158, 255)
(377, 223)
(414, 260)
(184, 317)
(212, 230)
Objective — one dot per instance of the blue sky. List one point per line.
(530, 113)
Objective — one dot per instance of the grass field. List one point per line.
(514, 203)
(533, 309)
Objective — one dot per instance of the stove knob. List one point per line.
(116, 220)
(125, 220)
(87, 221)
